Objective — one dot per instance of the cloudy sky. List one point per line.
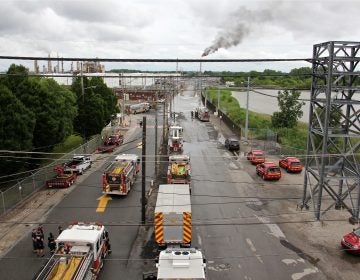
(175, 29)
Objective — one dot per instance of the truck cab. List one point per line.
(78, 164)
(175, 139)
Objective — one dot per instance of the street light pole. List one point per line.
(247, 110)
(218, 107)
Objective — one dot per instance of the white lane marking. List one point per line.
(199, 240)
(301, 260)
(252, 248)
(289, 261)
(274, 228)
(307, 271)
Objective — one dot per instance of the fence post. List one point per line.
(33, 180)
(3, 200)
(20, 191)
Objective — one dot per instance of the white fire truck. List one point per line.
(175, 143)
(120, 175)
(179, 263)
(179, 170)
(80, 252)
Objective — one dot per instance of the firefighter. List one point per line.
(40, 242)
(60, 229)
(51, 243)
(33, 237)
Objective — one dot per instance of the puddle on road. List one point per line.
(149, 250)
(299, 252)
(212, 133)
(257, 205)
(219, 267)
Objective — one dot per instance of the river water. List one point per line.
(265, 101)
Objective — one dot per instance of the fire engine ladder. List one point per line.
(74, 267)
(84, 272)
(48, 268)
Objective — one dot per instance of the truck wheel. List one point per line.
(263, 176)
(68, 184)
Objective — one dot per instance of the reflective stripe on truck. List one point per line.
(187, 227)
(159, 228)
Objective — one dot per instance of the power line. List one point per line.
(96, 59)
(200, 224)
(256, 255)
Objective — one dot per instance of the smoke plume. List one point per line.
(238, 26)
(227, 39)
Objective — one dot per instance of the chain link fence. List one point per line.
(25, 187)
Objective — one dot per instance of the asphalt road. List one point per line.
(247, 228)
(222, 211)
(121, 217)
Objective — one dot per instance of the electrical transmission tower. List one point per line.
(332, 169)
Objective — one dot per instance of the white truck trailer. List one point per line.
(173, 215)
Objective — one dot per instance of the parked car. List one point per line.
(268, 171)
(256, 156)
(351, 242)
(232, 144)
(291, 164)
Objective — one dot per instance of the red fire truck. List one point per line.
(80, 253)
(120, 175)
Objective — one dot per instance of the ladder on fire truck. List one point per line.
(74, 266)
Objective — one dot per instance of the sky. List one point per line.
(184, 29)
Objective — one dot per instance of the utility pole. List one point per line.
(123, 100)
(83, 97)
(143, 198)
(164, 112)
(247, 110)
(82, 82)
(218, 107)
(156, 136)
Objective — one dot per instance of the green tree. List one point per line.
(54, 108)
(290, 109)
(16, 129)
(96, 106)
(15, 75)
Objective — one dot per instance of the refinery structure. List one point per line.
(77, 67)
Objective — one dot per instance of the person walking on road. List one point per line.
(51, 243)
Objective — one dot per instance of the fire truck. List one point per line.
(179, 263)
(63, 179)
(179, 170)
(173, 216)
(80, 253)
(202, 114)
(175, 143)
(120, 175)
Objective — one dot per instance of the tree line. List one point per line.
(37, 113)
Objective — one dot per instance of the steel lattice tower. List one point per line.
(332, 162)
